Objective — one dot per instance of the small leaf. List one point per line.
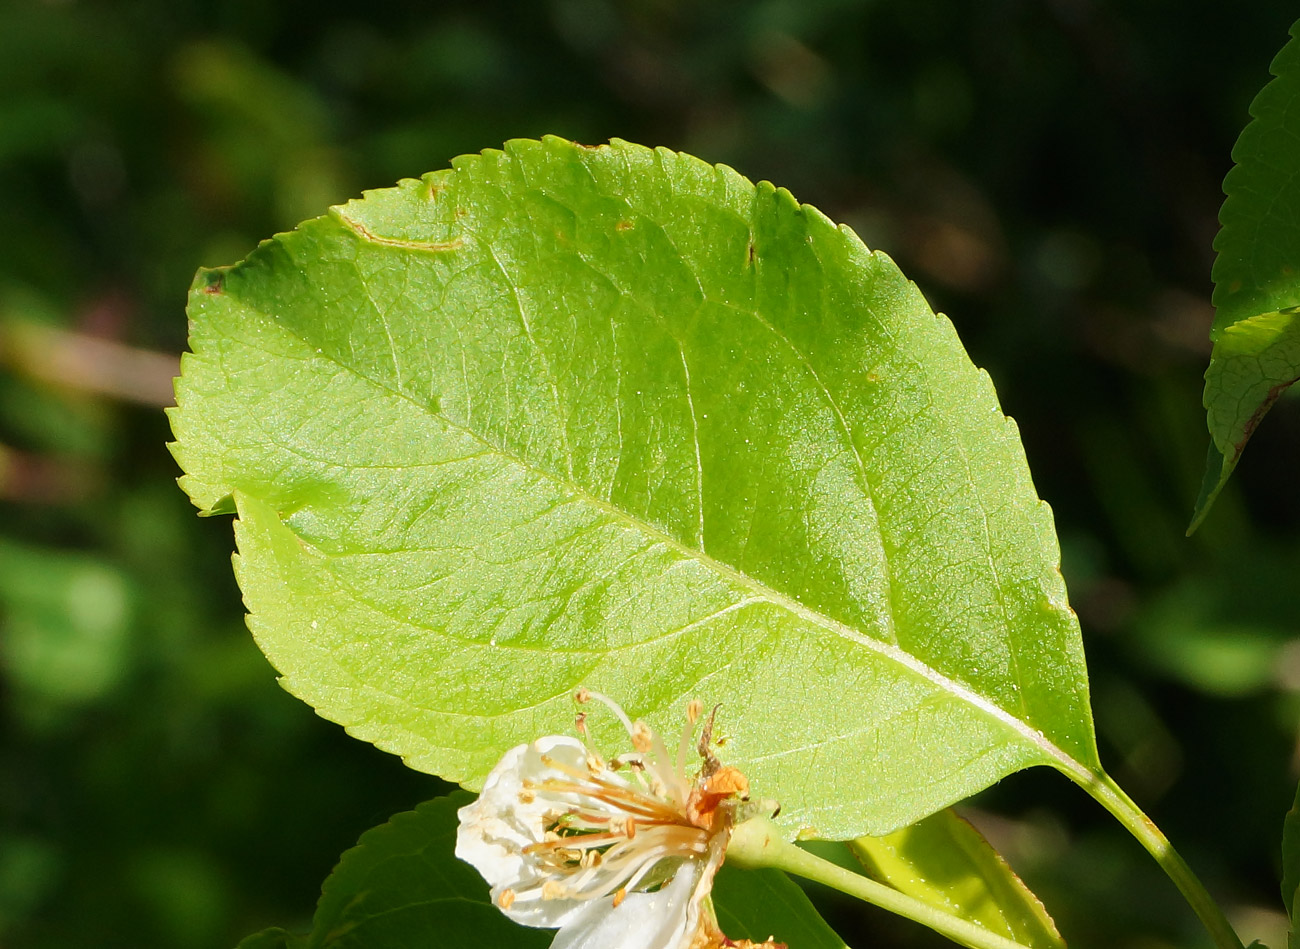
(274, 938)
(1256, 275)
(401, 886)
(946, 862)
(1291, 864)
(614, 417)
(756, 904)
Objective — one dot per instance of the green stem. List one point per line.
(758, 843)
(1112, 797)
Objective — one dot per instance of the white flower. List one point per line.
(616, 854)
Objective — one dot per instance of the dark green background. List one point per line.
(1047, 171)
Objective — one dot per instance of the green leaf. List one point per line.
(946, 862)
(401, 887)
(1256, 275)
(1291, 865)
(614, 417)
(274, 938)
(756, 904)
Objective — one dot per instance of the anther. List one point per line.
(506, 899)
(527, 796)
(552, 890)
(582, 696)
(642, 737)
(620, 896)
(694, 709)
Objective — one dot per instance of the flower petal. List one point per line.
(658, 920)
(507, 817)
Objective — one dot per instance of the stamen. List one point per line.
(585, 695)
(619, 896)
(553, 890)
(506, 899)
(616, 796)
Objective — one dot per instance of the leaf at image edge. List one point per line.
(1291, 862)
(1256, 274)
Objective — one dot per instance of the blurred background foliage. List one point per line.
(1047, 170)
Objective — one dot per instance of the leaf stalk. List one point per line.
(1111, 796)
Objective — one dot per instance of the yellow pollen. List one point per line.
(594, 764)
(694, 709)
(551, 890)
(506, 899)
(582, 696)
(631, 829)
(642, 737)
(620, 896)
(527, 796)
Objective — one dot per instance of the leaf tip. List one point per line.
(1217, 469)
